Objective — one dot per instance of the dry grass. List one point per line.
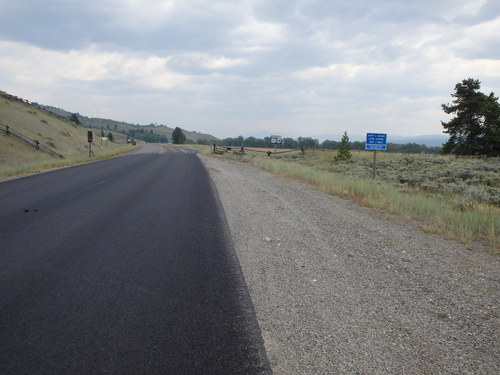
(452, 215)
(62, 136)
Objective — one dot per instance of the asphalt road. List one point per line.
(122, 267)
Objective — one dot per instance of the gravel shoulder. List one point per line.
(341, 289)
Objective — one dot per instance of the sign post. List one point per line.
(90, 138)
(376, 142)
(276, 140)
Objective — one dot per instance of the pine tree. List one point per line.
(476, 128)
(74, 118)
(344, 152)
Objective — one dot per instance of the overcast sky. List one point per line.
(289, 67)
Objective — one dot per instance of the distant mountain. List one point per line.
(160, 131)
(435, 140)
(432, 140)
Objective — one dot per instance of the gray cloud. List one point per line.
(53, 24)
(229, 66)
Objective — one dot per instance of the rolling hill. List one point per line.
(149, 133)
(58, 134)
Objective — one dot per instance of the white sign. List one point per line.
(276, 139)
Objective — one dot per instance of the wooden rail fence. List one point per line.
(242, 150)
(7, 130)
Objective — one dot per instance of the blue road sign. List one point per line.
(376, 142)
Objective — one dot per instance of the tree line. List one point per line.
(475, 130)
(308, 142)
(146, 135)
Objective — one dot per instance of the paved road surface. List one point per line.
(122, 267)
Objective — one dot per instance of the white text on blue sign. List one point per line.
(376, 141)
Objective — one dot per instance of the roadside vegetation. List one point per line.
(33, 161)
(458, 198)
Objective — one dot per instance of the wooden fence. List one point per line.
(243, 150)
(32, 142)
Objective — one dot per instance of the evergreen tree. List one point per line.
(178, 137)
(74, 118)
(476, 128)
(344, 152)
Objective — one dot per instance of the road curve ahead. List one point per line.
(122, 267)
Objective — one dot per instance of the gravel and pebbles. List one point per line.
(339, 288)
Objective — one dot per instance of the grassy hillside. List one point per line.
(127, 128)
(62, 136)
